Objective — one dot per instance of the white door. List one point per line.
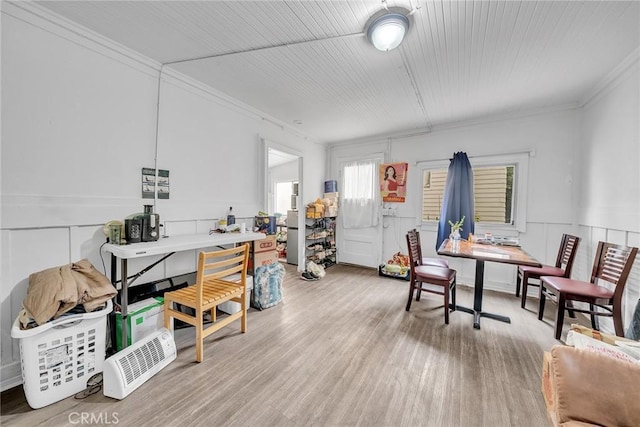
(359, 228)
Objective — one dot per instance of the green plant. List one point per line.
(457, 225)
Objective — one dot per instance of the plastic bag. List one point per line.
(315, 269)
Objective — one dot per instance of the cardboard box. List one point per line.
(231, 307)
(267, 244)
(143, 318)
(315, 211)
(264, 258)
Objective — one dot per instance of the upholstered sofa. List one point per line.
(583, 387)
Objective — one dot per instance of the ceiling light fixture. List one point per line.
(387, 31)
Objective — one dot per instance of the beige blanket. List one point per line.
(57, 290)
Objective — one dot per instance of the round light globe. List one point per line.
(387, 31)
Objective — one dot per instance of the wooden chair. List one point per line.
(436, 262)
(221, 277)
(564, 264)
(612, 264)
(429, 278)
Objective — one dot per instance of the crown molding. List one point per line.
(611, 79)
(449, 126)
(196, 87)
(46, 20)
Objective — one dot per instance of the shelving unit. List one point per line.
(281, 242)
(320, 240)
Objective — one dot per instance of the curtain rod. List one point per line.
(531, 152)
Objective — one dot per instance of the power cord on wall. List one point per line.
(104, 268)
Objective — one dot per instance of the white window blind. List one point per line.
(492, 189)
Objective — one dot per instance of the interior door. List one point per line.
(358, 244)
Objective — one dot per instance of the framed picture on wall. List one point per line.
(393, 182)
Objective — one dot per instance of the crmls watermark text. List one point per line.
(87, 418)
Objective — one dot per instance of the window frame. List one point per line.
(520, 189)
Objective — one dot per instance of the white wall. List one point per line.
(549, 137)
(608, 208)
(79, 124)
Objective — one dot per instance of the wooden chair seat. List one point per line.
(213, 293)
(577, 288)
(438, 262)
(432, 273)
(612, 265)
(545, 270)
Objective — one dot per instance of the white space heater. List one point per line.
(128, 369)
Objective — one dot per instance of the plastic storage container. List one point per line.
(331, 186)
(231, 307)
(58, 358)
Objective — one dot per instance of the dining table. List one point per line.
(481, 252)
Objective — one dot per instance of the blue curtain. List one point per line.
(458, 198)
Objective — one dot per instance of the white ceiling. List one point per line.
(309, 61)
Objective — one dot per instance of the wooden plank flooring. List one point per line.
(341, 351)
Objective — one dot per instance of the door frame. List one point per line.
(271, 145)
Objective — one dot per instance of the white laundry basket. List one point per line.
(58, 358)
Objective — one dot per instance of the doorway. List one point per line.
(282, 193)
(360, 228)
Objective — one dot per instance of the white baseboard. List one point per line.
(10, 376)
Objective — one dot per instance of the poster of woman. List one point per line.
(393, 182)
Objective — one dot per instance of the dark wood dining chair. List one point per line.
(562, 268)
(436, 262)
(429, 278)
(612, 265)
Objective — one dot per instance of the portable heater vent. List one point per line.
(128, 369)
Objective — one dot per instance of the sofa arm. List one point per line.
(593, 388)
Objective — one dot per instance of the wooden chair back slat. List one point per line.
(567, 253)
(415, 256)
(613, 264)
(218, 265)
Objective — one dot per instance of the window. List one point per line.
(492, 190)
(360, 194)
(359, 180)
(499, 189)
(284, 192)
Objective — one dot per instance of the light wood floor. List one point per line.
(341, 351)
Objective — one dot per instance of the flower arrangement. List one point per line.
(457, 226)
